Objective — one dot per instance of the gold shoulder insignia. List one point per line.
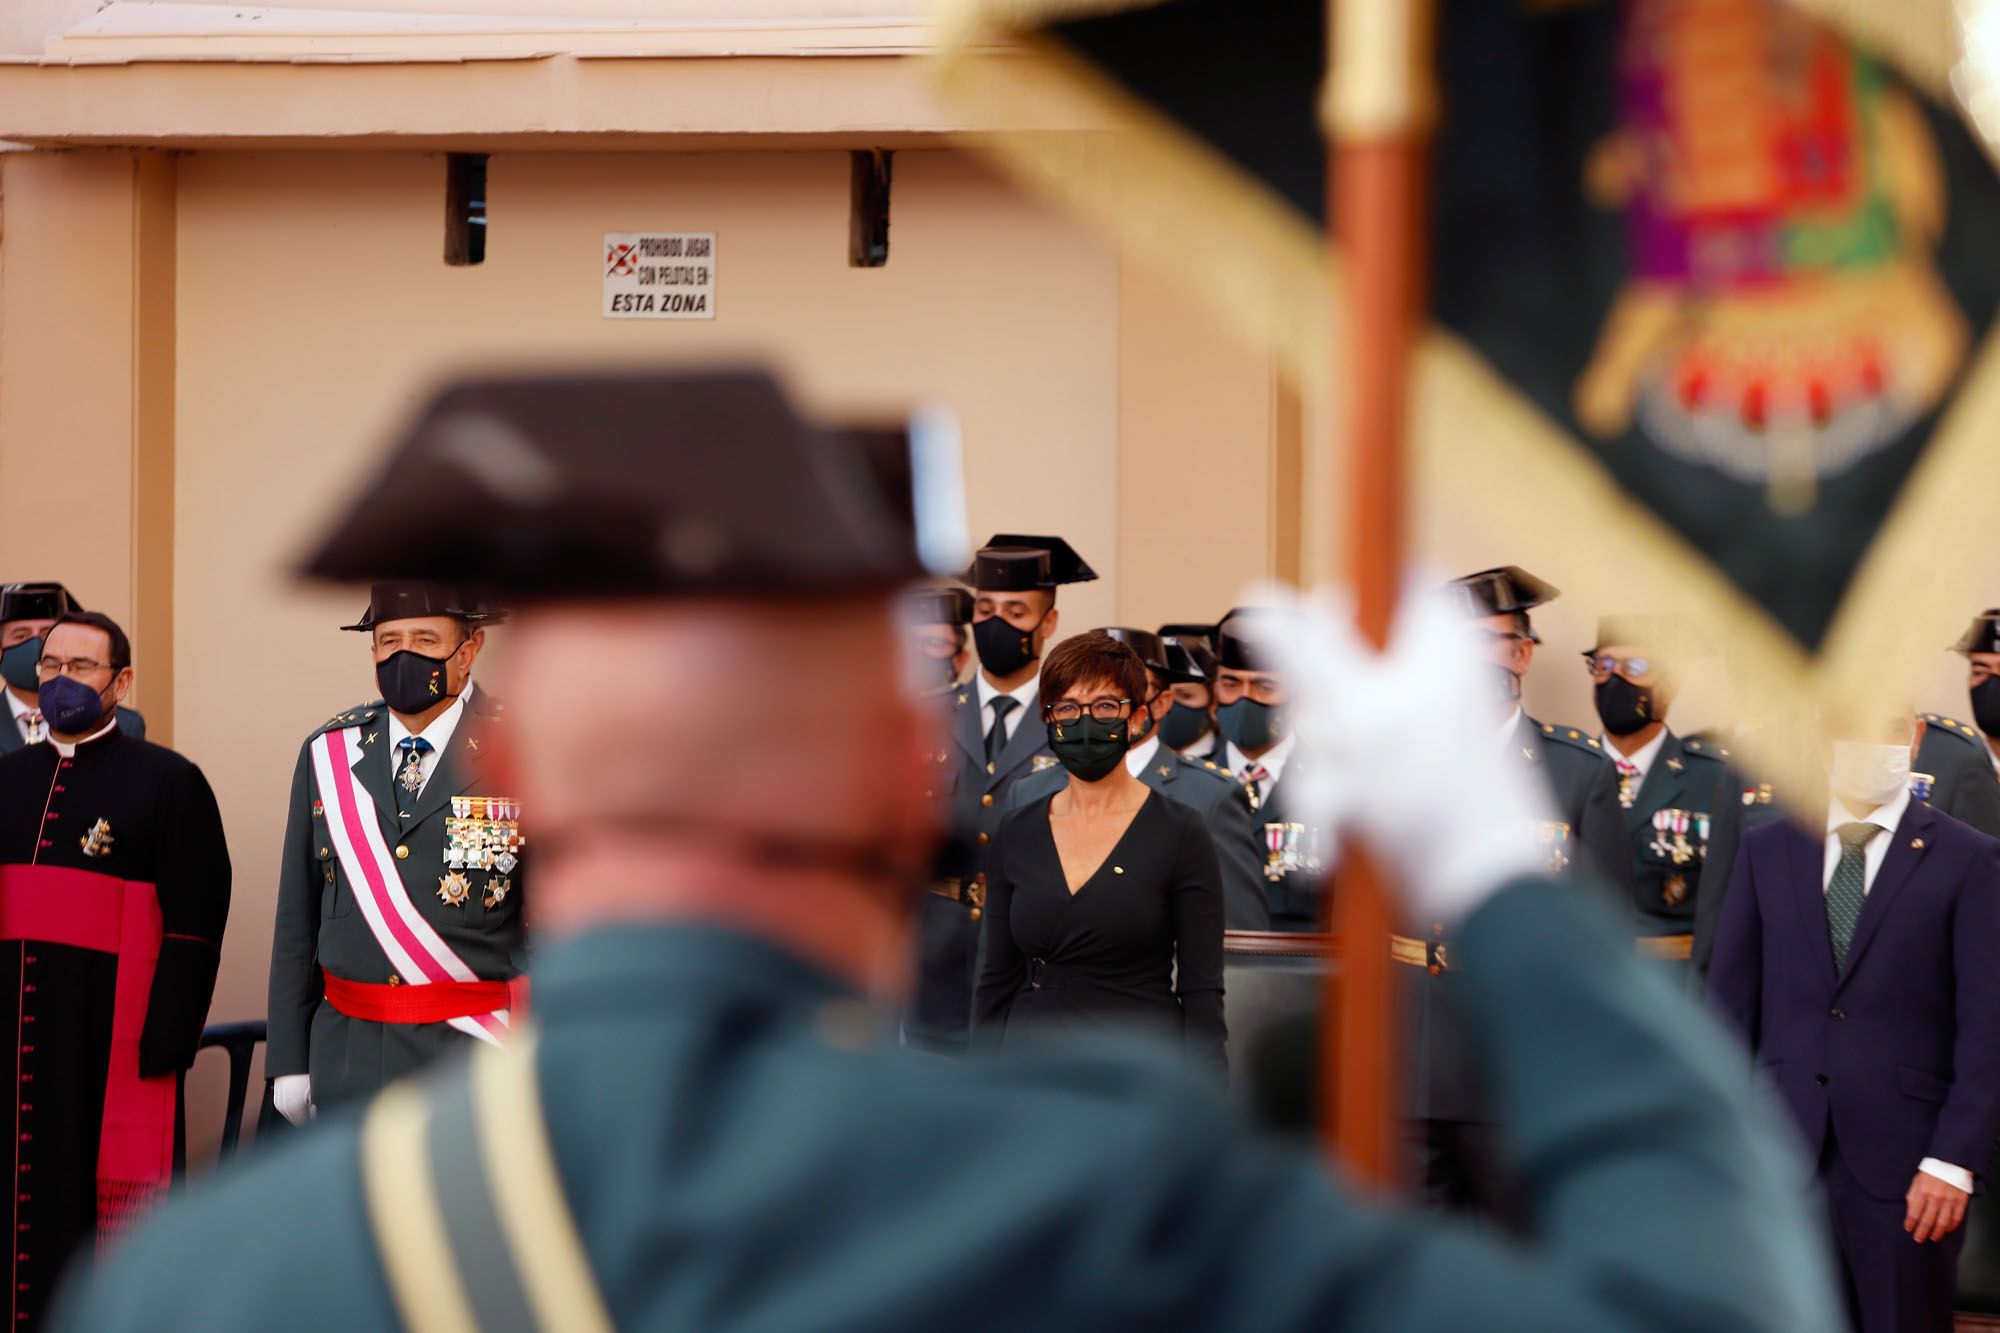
(1208, 764)
(1694, 746)
(1594, 745)
(1575, 735)
(1548, 728)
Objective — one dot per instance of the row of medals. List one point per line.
(481, 833)
(1671, 842)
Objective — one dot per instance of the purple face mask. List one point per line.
(70, 706)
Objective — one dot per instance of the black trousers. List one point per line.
(1893, 1284)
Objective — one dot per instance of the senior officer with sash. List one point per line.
(706, 1130)
(997, 739)
(27, 611)
(399, 898)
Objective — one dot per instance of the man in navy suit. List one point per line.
(1861, 967)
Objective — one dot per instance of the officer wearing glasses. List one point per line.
(1673, 791)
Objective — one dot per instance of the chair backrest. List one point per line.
(239, 1041)
(1274, 985)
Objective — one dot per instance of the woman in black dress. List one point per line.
(1103, 901)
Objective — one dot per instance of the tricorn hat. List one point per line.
(1502, 591)
(937, 604)
(1190, 657)
(1154, 652)
(1983, 636)
(36, 601)
(1242, 638)
(408, 600)
(576, 486)
(1013, 562)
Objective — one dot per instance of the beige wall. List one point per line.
(313, 307)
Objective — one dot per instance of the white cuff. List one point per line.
(1955, 1176)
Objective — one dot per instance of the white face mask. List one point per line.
(1867, 776)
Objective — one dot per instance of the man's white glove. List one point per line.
(1401, 750)
(292, 1095)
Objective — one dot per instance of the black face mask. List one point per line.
(1251, 726)
(19, 664)
(1089, 748)
(1507, 685)
(1986, 705)
(412, 683)
(1183, 726)
(1003, 650)
(1623, 707)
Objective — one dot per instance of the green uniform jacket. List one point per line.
(741, 1153)
(1220, 800)
(320, 926)
(1963, 783)
(1689, 776)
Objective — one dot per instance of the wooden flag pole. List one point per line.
(1378, 113)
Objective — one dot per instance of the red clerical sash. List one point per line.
(415, 949)
(86, 910)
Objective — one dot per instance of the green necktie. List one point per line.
(1849, 888)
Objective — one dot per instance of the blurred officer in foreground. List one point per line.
(27, 611)
(1221, 802)
(114, 888)
(705, 1131)
(1673, 791)
(399, 896)
(997, 738)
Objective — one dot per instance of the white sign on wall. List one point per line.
(659, 275)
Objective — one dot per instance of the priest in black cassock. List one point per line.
(114, 887)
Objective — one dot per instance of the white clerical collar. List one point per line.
(1642, 758)
(438, 733)
(1886, 817)
(1141, 755)
(1273, 759)
(68, 749)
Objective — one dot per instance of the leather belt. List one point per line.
(971, 892)
(1431, 955)
(1679, 948)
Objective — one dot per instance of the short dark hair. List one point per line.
(1093, 656)
(121, 647)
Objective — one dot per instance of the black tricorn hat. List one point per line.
(1190, 657)
(1156, 653)
(1982, 637)
(578, 486)
(1502, 591)
(36, 601)
(1243, 636)
(933, 604)
(1008, 563)
(408, 600)
(1187, 632)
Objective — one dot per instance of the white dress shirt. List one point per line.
(1642, 758)
(1141, 755)
(438, 733)
(1887, 818)
(1273, 760)
(20, 712)
(1506, 732)
(1028, 696)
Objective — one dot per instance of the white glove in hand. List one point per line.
(1401, 749)
(292, 1095)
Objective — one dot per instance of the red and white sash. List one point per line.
(417, 951)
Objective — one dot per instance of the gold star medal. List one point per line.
(454, 888)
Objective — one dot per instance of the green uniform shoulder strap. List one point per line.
(468, 1212)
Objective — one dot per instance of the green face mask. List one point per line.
(1089, 748)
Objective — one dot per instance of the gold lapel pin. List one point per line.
(1916, 844)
